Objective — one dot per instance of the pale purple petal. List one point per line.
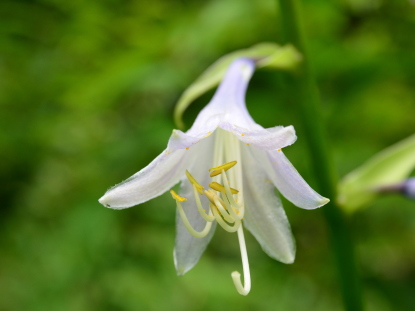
(287, 180)
(228, 103)
(264, 215)
(290, 183)
(227, 110)
(181, 140)
(158, 177)
(267, 139)
(188, 249)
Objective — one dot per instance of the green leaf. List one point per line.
(391, 165)
(268, 55)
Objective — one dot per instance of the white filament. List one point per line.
(189, 227)
(223, 212)
(222, 223)
(230, 198)
(202, 212)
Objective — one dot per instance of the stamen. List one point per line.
(189, 227)
(210, 195)
(231, 209)
(222, 206)
(218, 187)
(194, 182)
(229, 195)
(214, 199)
(231, 148)
(218, 169)
(177, 197)
(186, 222)
(236, 276)
(222, 223)
(200, 206)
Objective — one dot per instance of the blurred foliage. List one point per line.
(87, 91)
(390, 166)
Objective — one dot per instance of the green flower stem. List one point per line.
(304, 93)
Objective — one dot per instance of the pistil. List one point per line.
(236, 276)
(223, 207)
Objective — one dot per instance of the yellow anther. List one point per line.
(218, 169)
(218, 187)
(211, 195)
(225, 166)
(279, 149)
(177, 197)
(193, 181)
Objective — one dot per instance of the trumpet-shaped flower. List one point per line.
(242, 190)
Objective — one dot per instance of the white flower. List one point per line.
(224, 132)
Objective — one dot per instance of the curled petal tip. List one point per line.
(181, 271)
(324, 201)
(104, 201)
(291, 130)
(111, 200)
(289, 259)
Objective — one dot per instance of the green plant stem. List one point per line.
(304, 93)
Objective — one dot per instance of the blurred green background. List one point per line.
(87, 90)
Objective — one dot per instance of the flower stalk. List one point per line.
(303, 91)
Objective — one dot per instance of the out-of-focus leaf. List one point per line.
(391, 165)
(268, 55)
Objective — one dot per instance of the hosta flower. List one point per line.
(241, 162)
(406, 187)
(409, 188)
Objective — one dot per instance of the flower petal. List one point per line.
(228, 103)
(180, 140)
(264, 215)
(189, 249)
(267, 139)
(159, 176)
(227, 110)
(287, 180)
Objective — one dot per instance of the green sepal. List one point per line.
(392, 165)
